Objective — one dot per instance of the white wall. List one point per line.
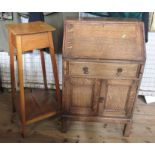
(32, 70)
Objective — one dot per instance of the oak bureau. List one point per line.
(103, 61)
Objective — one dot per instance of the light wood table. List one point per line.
(26, 37)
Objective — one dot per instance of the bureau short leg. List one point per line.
(127, 129)
(64, 124)
(13, 117)
(43, 68)
(1, 88)
(23, 131)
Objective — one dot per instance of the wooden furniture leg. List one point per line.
(54, 65)
(1, 88)
(43, 68)
(13, 87)
(64, 125)
(127, 129)
(21, 85)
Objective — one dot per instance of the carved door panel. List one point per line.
(117, 97)
(80, 95)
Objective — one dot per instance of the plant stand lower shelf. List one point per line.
(40, 104)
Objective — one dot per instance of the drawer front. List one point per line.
(34, 41)
(102, 40)
(111, 70)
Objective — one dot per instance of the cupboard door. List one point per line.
(79, 95)
(117, 97)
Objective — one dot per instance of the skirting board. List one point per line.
(150, 99)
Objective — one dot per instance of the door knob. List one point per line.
(119, 71)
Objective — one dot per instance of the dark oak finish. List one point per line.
(102, 67)
(26, 37)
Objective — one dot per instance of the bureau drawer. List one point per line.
(103, 69)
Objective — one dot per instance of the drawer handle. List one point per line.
(85, 70)
(119, 71)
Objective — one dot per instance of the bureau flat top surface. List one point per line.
(104, 38)
(30, 28)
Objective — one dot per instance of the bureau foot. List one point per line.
(13, 104)
(64, 125)
(127, 129)
(22, 131)
(13, 118)
(13, 108)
